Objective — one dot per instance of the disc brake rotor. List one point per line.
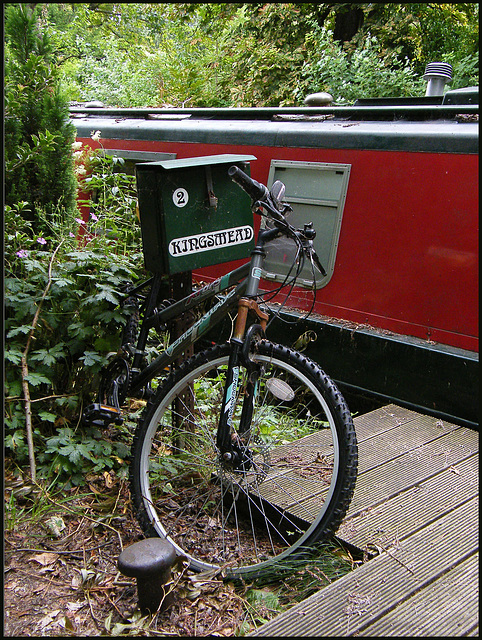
(253, 471)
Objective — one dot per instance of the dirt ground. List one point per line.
(61, 576)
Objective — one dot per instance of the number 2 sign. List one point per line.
(180, 197)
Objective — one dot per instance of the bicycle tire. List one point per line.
(304, 460)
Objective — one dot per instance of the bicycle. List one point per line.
(246, 453)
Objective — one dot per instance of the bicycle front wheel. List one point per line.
(298, 475)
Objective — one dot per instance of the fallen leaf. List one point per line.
(55, 525)
(66, 623)
(76, 581)
(45, 558)
(49, 618)
(48, 569)
(454, 470)
(109, 480)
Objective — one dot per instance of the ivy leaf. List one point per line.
(75, 452)
(24, 328)
(85, 451)
(106, 293)
(13, 388)
(63, 282)
(37, 378)
(48, 356)
(45, 416)
(79, 330)
(13, 355)
(13, 285)
(14, 440)
(91, 357)
(70, 451)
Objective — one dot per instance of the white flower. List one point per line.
(80, 170)
(76, 146)
(95, 135)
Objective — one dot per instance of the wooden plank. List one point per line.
(358, 599)
(379, 526)
(385, 419)
(449, 605)
(398, 431)
(401, 472)
(387, 445)
(411, 468)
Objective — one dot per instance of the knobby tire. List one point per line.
(293, 489)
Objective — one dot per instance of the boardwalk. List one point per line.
(415, 513)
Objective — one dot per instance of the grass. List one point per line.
(293, 582)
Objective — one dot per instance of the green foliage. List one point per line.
(415, 34)
(79, 323)
(70, 454)
(465, 71)
(38, 136)
(425, 32)
(258, 54)
(118, 77)
(113, 203)
(364, 73)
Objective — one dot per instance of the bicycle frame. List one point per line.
(198, 329)
(246, 277)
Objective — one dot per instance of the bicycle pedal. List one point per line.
(101, 415)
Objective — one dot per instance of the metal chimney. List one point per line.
(437, 75)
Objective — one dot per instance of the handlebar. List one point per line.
(259, 194)
(254, 189)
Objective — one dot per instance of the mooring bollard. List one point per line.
(150, 562)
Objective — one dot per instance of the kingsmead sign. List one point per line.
(210, 240)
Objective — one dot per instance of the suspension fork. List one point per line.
(226, 439)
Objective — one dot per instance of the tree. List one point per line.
(257, 54)
(424, 32)
(38, 136)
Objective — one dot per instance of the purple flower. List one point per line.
(94, 217)
(72, 235)
(22, 253)
(41, 240)
(79, 220)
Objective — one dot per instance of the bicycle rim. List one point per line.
(293, 487)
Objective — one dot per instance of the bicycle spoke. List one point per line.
(244, 512)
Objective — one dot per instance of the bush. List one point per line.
(38, 135)
(367, 72)
(119, 77)
(74, 288)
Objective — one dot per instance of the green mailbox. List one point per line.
(192, 214)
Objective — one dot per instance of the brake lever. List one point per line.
(317, 262)
(275, 214)
(307, 234)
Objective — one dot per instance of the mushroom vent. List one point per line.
(437, 75)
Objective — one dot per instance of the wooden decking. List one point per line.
(415, 515)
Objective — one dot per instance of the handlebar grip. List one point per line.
(253, 188)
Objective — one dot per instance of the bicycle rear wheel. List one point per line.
(293, 490)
